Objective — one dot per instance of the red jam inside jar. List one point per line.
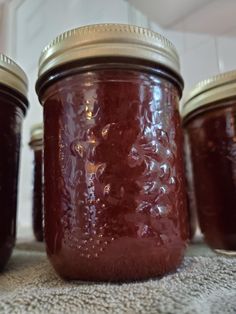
(13, 105)
(191, 201)
(210, 135)
(114, 189)
(36, 144)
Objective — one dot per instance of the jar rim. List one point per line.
(12, 75)
(36, 134)
(209, 91)
(108, 40)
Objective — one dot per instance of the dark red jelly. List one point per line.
(37, 209)
(12, 109)
(191, 201)
(114, 188)
(211, 138)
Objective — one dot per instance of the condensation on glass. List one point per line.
(115, 205)
(36, 143)
(13, 106)
(209, 119)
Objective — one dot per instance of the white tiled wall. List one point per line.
(38, 21)
(202, 55)
(199, 62)
(226, 47)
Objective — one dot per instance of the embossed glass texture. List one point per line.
(114, 187)
(210, 139)
(11, 114)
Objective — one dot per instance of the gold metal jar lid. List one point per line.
(12, 75)
(36, 136)
(105, 40)
(207, 92)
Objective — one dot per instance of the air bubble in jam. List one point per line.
(142, 230)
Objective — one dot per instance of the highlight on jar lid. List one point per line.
(209, 91)
(109, 40)
(12, 75)
(36, 136)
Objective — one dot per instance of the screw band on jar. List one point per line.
(103, 40)
(12, 75)
(209, 91)
(36, 137)
(94, 43)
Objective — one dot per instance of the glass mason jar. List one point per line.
(209, 115)
(13, 106)
(36, 143)
(114, 189)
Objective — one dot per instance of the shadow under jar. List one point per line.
(209, 119)
(13, 106)
(114, 189)
(36, 144)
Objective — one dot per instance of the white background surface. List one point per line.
(28, 25)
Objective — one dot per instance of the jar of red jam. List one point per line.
(114, 189)
(209, 119)
(13, 106)
(36, 143)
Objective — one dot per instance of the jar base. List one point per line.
(39, 237)
(135, 275)
(5, 254)
(119, 265)
(225, 252)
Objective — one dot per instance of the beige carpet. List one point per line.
(203, 284)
